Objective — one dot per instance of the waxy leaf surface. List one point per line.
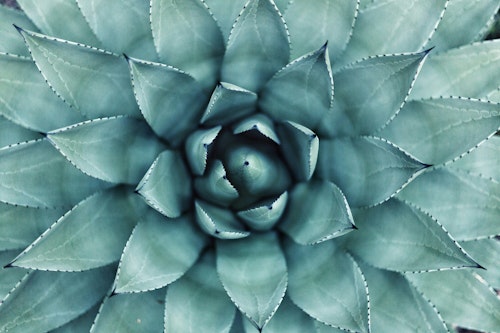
(9, 38)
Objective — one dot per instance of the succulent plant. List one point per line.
(263, 166)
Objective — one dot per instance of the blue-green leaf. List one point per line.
(328, 285)
(82, 75)
(123, 26)
(471, 70)
(265, 214)
(399, 237)
(11, 133)
(487, 253)
(167, 185)
(368, 93)
(300, 148)
(81, 324)
(397, 307)
(138, 313)
(311, 26)
(483, 160)
(171, 101)
(26, 99)
(214, 186)
(34, 174)
(187, 36)
(228, 103)
(116, 149)
(318, 211)
(257, 123)
(368, 170)
(9, 276)
(254, 273)
(197, 146)
(461, 297)
(186, 303)
(226, 12)
(438, 130)
(91, 235)
(9, 38)
(46, 300)
(301, 92)
(158, 252)
(218, 222)
(467, 205)
(258, 46)
(59, 18)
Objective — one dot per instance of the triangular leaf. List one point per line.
(301, 92)
(46, 300)
(368, 93)
(226, 12)
(123, 26)
(368, 170)
(483, 160)
(158, 252)
(257, 123)
(215, 187)
(318, 211)
(167, 185)
(187, 37)
(197, 146)
(258, 46)
(9, 38)
(254, 273)
(91, 235)
(438, 130)
(399, 237)
(328, 285)
(186, 303)
(265, 214)
(467, 205)
(171, 101)
(34, 174)
(219, 222)
(117, 149)
(138, 313)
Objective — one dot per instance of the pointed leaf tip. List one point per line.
(18, 28)
(9, 265)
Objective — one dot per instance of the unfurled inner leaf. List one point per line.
(368, 170)
(258, 46)
(264, 215)
(214, 185)
(219, 222)
(197, 146)
(254, 273)
(158, 252)
(318, 211)
(117, 150)
(258, 123)
(399, 237)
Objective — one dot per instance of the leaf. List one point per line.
(368, 170)
(302, 92)
(265, 214)
(463, 22)
(91, 235)
(483, 160)
(142, 312)
(396, 306)
(82, 75)
(34, 174)
(399, 237)
(487, 253)
(228, 103)
(9, 276)
(327, 284)
(470, 70)
(158, 252)
(258, 46)
(323, 328)
(11, 133)
(317, 211)
(116, 150)
(215, 187)
(254, 274)
(167, 185)
(197, 148)
(257, 123)
(288, 318)
(438, 130)
(81, 324)
(311, 26)
(300, 149)
(467, 205)
(384, 27)
(186, 303)
(186, 36)
(59, 18)
(159, 88)
(46, 300)
(26, 99)
(225, 13)
(218, 222)
(123, 26)
(461, 298)
(369, 93)
(9, 38)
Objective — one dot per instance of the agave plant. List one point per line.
(249, 166)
